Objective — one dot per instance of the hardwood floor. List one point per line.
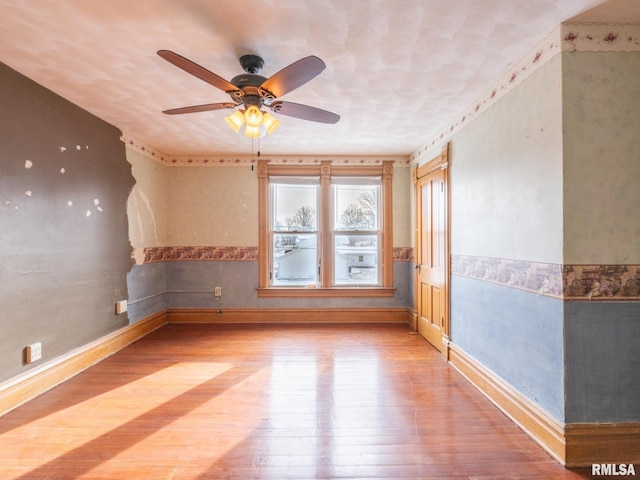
(202, 401)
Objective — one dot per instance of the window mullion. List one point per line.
(387, 224)
(326, 263)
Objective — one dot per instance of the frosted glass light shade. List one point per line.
(235, 120)
(254, 132)
(253, 116)
(270, 122)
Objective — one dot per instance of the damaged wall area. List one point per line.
(64, 242)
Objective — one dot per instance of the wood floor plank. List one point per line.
(199, 401)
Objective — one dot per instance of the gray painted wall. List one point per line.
(148, 285)
(64, 244)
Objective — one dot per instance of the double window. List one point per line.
(325, 230)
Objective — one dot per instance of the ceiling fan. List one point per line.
(252, 91)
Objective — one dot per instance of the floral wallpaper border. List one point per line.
(403, 254)
(601, 37)
(568, 282)
(249, 161)
(165, 254)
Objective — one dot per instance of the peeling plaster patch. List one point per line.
(69, 203)
(62, 171)
(62, 149)
(147, 204)
(138, 255)
(28, 164)
(138, 217)
(28, 193)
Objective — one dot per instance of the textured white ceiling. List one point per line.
(396, 70)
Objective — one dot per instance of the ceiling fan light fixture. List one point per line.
(270, 122)
(253, 116)
(235, 120)
(244, 121)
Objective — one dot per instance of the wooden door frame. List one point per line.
(440, 162)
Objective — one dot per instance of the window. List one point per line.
(356, 230)
(325, 230)
(293, 226)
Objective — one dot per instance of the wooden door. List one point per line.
(432, 252)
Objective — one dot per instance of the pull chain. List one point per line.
(252, 153)
(252, 150)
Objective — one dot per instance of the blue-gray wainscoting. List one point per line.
(154, 287)
(602, 365)
(147, 285)
(516, 334)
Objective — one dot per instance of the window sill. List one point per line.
(327, 292)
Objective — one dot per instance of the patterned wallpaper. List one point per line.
(576, 37)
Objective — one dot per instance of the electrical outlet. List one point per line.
(217, 292)
(121, 307)
(33, 352)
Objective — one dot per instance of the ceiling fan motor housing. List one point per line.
(249, 89)
(248, 80)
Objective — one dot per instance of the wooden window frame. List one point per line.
(325, 170)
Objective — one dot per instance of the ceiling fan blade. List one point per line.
(197, 71)
(199, 108)
(293, 76)
(305, 112)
